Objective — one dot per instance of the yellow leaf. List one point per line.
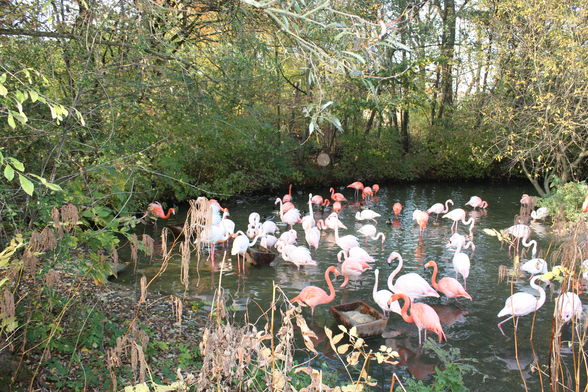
(353, 332)
(342, 349)
(337, 338)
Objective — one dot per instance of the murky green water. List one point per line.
(469, 326)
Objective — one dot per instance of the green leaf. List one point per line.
(8, 172)
(26, 185)
(34, 95)
(3, 90)
(18, 165)
(53, 187)
(11, 121)
(3, 78)
(358, 57)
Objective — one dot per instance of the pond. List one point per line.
(470, 326)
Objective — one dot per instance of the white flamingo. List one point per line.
(297, 255)
(439, 208)
(568, 305)
(461, 264)
(312, 237)
(476, 201)
(411, 284)
(370, 231)
(521, 304)
(308, 220)
(535, 266)
(357, 253)
(332, 221)
(381, 297)
(459, 215)
(367, 215)
(291, 217)
(346, 242)
(240, 245)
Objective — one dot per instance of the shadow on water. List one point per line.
(469, 326)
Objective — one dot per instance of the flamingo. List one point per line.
(535, 266)
(422, 315)
(297, 255)
(288, 206)
(521, 304)
(476, 201)
(528, 200)
(308, 220)
(346, 242)
(376, 188)
(367, 215)
(215, 210)
(240, 245)
(422, 218)
(439, 208)
(456, 240)
(397, 208)
(313, 296)
(461, 264)
(288, 237)
(227, 223)
(312, 237)
(411, 284)
(448, 286)
(291, 217)
(540, 213)
(337, 206)
(356, 253)
(353, 267)
(357, 185)
(213, 234)
(568, 305)
(332, 221)
(523, 232)
(156, 209)
(269, 227)
(585, 204)
(381, 298)
(457, 215)
(267, 241)
(288, 196)
(319, 201)
(337, 196)
(369, 231)
(367, 192)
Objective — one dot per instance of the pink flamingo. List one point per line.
(476, 201)
(421, 218)
(376, 188)
(411, 284)
(370, 231)
(381, 297)
(422, 315)
(288, 196)
(156, 209)
(319, 201)
(367, 192)
(337, 196)
(313, 296)
(439, 208)
(457, 215)
(357, 185)
(353, 267)
(448, 286)
(337, 206)
(397, 208)
(585, 204)
(521, 304)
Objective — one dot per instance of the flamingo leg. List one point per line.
(502, 322)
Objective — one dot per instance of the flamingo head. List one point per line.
(430, 264)
(173, 211)
(278, 200)
(396, 297)
(393, 256)
(376, 188)
(334, 270)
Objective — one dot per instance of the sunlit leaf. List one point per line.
(26, 185)
(8, 172)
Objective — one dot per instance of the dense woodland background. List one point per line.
(129, 101)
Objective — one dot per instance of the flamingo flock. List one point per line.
(325, 216)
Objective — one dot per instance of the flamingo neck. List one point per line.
(380, 234)
(541, 291)
(169, 211)
(527, 244)
(326, 202)
(254, 240)
(404, 311)
(446, 210)
(394, 273)
(377, 274)
(330, 285)
(434, 277)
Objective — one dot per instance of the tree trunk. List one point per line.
(448, 52)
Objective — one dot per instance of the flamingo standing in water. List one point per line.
(212, 235)
(568, 305)
(521, 304)
(457, 215)
(476, 201)
(397, 208)
(346, 242)
(461, 263)
(337, 206)
(448, 286)
(358, 186)
(411, 284)
(370, 231)
(291, 217)
(439, 208)
(353, 267)
(356, 253)
(308, 220)
(312, 237)
(297, 255)
(421, 218)
(319, 201)
(156, 209)
(367, 215)
(522, 232)
(422, 315)
(332, 221)
(381, 297)
(313, 296)
(335, 196)
(367, 192)
(240, 245)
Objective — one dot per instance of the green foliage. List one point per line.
(448, 379)
(565, 200)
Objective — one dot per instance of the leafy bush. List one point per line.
(565, 200)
